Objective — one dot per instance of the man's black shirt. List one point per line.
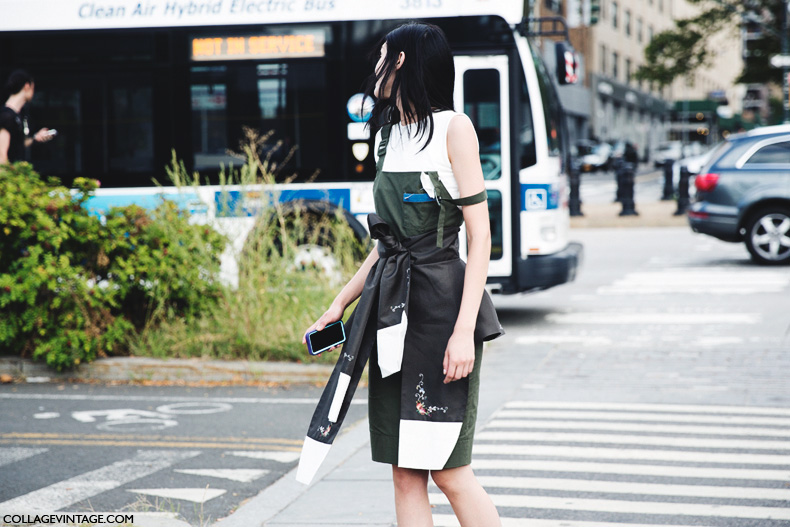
(12, 121)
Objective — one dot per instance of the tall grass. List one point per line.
(292, 265)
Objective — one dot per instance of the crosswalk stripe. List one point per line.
(72, 490)
(630, 487)
(697, 281)
(634, 440)
(630, 469)
(629, 507)
(692, 408)
(245, 475)
(638, 427)
(625, 318)
(13, 454)
(623, 453)
(280, 457)
(195, 495)
(633, 416)
(449, 520)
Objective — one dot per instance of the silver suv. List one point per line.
(743, 193)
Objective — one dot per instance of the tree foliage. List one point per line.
(678, 52)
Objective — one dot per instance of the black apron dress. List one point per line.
(403, 321)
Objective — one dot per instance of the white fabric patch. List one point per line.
(340, 393)
(390, 343)
(426, 445)
(313, 454)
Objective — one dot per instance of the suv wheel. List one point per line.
(768, 236)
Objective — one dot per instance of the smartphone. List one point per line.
(332, 335)
(51, 132)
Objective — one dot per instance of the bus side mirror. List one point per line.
(567, 63)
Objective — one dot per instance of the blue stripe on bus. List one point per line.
(190, 201)
(539, 197)
(229, 203)
(226, 202)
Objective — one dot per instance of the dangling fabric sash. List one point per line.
(384, 300)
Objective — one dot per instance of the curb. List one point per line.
(169, 371)
(277, 497)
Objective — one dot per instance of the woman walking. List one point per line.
(423, 315)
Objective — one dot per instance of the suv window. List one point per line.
(777, 153)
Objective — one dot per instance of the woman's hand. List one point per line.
(42, 136)
(459, 357)
(333, 314)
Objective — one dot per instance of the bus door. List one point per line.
(481, 92)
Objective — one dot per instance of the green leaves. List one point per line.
(72, 288)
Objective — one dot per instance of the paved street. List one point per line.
(652, 391)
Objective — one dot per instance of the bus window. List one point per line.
(131, 128)
(209, 125)
(482, 105)
(495, 217)
(551, 104)
(526, 134)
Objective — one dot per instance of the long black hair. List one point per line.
(424, 83)
(16, 81)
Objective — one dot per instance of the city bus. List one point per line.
(127, 83)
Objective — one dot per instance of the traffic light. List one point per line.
(595, 11)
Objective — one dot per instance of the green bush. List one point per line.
(74, 286)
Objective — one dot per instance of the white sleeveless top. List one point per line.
(403, 153)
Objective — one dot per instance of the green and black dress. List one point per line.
(406, 315)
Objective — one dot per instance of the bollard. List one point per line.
(574, 200)
(683, 191)
(669, 187)
(618, 179)
(625, 174)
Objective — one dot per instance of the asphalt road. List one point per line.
(652, 391)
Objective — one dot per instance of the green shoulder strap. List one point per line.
(382, 151)
(443, 197)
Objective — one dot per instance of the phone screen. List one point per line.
(331, 335)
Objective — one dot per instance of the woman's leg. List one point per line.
(411, 497)
(469, 500)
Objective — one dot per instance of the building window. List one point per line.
(660, 6)
(614, 14)
(554, 5)
(615, 60)
(628, 71)
(628, 22)
(650, 34)
(639, 29)
(603, 59)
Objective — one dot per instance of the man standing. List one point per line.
(20, 89)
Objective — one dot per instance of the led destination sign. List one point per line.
(291, 45)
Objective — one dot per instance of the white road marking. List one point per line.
(239, 400)
(692, 442)
(564, 339)
(244, 475)
(680, 408)
(630, 469)
(631, 454)
(674, 319)
(630, 507)
(706, 280)
(624, 416)
(282, 457)
(72, 490)
(199, 495)
(638, 427)
(13, 454)
(46, 415)
(449, 520)
(194, 408)
(631, 487)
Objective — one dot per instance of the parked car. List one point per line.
(675, 150)
(593, 156)
(743, 193)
